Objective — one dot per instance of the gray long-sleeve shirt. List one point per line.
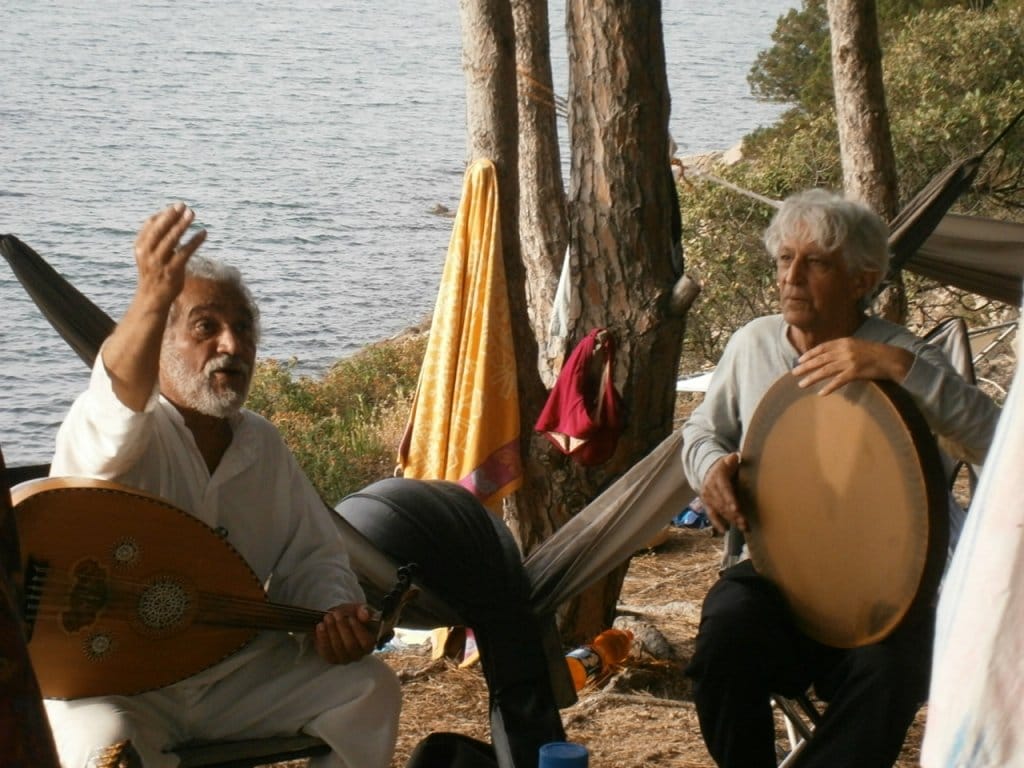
(760, 352)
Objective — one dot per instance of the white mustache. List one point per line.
(226, 362)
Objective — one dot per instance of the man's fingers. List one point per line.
(159, 225)
(342, 637)
(719, 494)
(184, 251)
(363, 636)
(161, 233)
(720, 523)
(832, 385)
(323, 644)
(181, 218)
(332, 634)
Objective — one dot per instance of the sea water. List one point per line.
(315, 140)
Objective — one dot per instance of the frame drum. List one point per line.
(846, 505)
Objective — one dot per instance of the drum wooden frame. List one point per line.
(847, 507)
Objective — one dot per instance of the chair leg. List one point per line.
(801, 717)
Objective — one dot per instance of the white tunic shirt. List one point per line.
(258, 496)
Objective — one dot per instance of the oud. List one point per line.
(125, 592)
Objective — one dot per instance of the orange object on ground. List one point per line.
(589, 662)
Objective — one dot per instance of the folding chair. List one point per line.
(801, 717)
(250, 753)
(952, 337)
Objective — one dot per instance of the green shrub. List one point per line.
(345, 427)
(954, 79)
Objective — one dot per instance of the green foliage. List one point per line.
(954, 78)
(797, 69)
(721, 242)
(345, 427)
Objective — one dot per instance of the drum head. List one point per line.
(847, 506)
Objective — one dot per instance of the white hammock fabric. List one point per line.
(976, 703)
(611, 528)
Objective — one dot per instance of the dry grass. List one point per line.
(641, 717)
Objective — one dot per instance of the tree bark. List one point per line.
(489, 61)
(621, 195)
(868, 161)
(619, 232)
(865, 140)
(543, 227)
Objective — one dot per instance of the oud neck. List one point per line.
(261, 615)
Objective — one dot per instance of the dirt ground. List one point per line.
(640, 717)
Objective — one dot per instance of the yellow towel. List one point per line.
(464, 424)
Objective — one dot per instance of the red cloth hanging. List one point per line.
(583, 414)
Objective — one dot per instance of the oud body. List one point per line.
(124, 592)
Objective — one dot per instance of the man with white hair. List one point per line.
(163, 413)
(829, 254)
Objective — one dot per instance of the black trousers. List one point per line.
(748, 649)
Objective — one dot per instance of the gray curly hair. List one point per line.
(834, 223)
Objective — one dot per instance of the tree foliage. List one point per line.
(954, 78)
(797, 69)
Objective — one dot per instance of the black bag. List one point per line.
(452, 750)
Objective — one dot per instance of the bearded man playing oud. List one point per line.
(830, 254)
(163, 413)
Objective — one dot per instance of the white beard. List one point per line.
(197, 389)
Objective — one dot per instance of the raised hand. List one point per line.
(161, 258)
(132, 353)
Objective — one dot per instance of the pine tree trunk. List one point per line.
(869, 164)
(620, 234)
(543, 227)
(865, 140)
(619, 231)
(489, 61)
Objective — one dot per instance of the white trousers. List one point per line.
(270, 688)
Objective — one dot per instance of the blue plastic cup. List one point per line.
(563, 754)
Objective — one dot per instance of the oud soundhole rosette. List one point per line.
(165, 606)
(126, 552)
(98, 646)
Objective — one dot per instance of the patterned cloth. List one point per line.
(464, 424)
